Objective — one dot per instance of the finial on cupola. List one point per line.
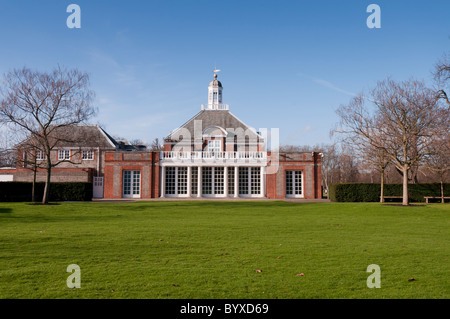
(215, 72)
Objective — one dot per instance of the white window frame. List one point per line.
(213, 181)
(131, 187)
(176, 181)
(297, 183)
(219, 181)
(87, 155)
(170, 182)
(207, 181)
(182, 181)
(40, 155)
(194, 180)
(231, 180)
(255, 181)
(250, 183)
(215, 146)
(243, 180)
(63, 155)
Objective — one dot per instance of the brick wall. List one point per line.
(310, 165)
(145, 162)
(57, 175)
(76, 161)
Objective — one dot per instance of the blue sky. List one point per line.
(285, 64)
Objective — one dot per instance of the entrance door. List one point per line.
(250, 182)
(98, 187)
(132, 184)
(176, 182)
(294, 185)
(213, 182)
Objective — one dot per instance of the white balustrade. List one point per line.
(223, 107)
(212, 156)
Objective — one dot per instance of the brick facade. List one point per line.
(214, 154)
(58, 175)
(309, 164)
(147, 163)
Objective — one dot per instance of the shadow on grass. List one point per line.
(212, 205)
(5, 210)
(400, 205)
(206, 203)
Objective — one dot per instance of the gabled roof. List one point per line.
(88, 136)
(79, 136)
(221, 118)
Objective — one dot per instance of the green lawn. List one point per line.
(211, 249)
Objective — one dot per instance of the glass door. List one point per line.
(294, 185)
(132, 184)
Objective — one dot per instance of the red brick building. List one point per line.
(213, 154)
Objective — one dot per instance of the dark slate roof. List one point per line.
(215, 83)
(222, 118)
(84, 136)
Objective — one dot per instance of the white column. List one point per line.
(199, 182)
(189, 181)
(262, 181)
(236, 181)
(163, 181)
(225, 180)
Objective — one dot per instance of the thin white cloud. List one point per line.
(327, 84)
(123, 75)
(333, 87)
(99, 57)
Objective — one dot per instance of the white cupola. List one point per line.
(215, 95)
(215, 91)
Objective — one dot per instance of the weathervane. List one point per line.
(215, 71)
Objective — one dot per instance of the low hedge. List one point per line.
(367, 192)
(21, 191)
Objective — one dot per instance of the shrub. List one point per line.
(21, 191)
(367, 192)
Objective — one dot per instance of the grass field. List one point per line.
(211, 249)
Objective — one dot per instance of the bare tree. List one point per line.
(370, 155)
(329, 165)
(33, 158)
(347, 162)
(156, 145)
(442, 77)
(8, 155)
(298, 148)
(378, 159)
(438, 159)
(407, 114)
(15, 154)
(139, 142)
(43, 105)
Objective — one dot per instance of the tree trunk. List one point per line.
(47, 187)
(33, 186)
(405, 187)
(442, 189)
(382, 187)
